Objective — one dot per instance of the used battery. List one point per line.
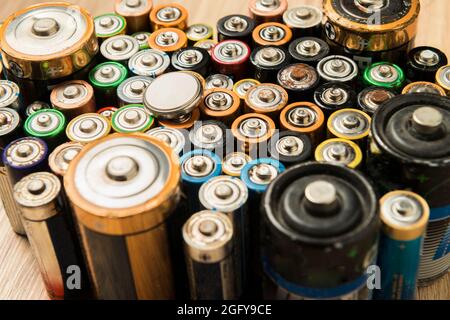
(371, 98)
(109, 25)
(192, 59)
(87, 128)
(209, 135)
(62, 156)
(267, 10)
(136, 12)
(73, 98)
(207, 44)
(233, 163)
(242, 86)
(404, 217)
(123, 188)
(304, 21)
(218, 80)
(168, 40)
(341, 152)
(350, 124)
(332, 96)
(131, 90)
(338, 69)
(272, 34)
(267, 61)
(107, 112)
(423, 87)
(309, 50)
(235, 26)
(290, 148)
(149, 63)
(10, 96)
(267, 99)
(384, 74)
(172, 15)
(423, 63)
(231, 57)
(47, 124)
(36, 106)
(105, 78)
(50, 229)
(443, 79)
(210, 256)
(142, 38)
(119, 48)
(198, 32)
(131, 118)
(174, 138)
(299, 80)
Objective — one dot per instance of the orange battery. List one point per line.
(171, 15)
(168, 40)
(267, 10)
(136, 12)
(220, 104)
(266, 98)
(272, 34)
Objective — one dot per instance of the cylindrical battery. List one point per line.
(197, 167)
(290, 148)
(341, 152)
(51, 231)
(61, 157)
(423, 87)
(404, 216)
(309, 50)
(338, 69)
(307, 210)
(174, 138)
(73, 98)
(350, 124)
(149, 63)
(210, 257)
(384, 74)
(123, 188)
(88, 127)
(332, 96)
(369, 31)
(235, 26)
(192, 59)
(300, 80)
(267, 10)
(267, 99)
(304, 21)
(172, 15)
(10, 130)
(409, 150)
(10, 96)
(304, 117)
(233, 163)
(119, 48)
(142, 38)
(220, 105)
(272, 34)
(47, 124)
(371, 98)
(107, 112)
(231, 57)
(218, 80)
(131, 90)
(109, 25)
(168, 40)
(184, 123)
(136, 12)
(198, 32)
(242, 86)
(229, 195)
(209, 135)
(36, 106)
(132, 118)
(443, 79)
(105, 78)
(423, 63)
(267, 61)
(207, 44)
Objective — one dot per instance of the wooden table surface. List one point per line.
(19, 276)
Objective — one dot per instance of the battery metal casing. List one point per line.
(220, 105)
(168, 40)
(142, 39)
(127, 225)
(209, 135)
(36, 106)
(88, 127)
(47, 124)
(267, 61)
(231, 57)
(267, 10)
(185, 123)
(350, 124)
(105, 78)
(136, 12)
(107, 112)
(172, 15)
(131, 118)
(10, 96)
(119, 48)
(218, 80)
(175, 139)
(198, 32)
(192, 59)
(338, 68)
(385, 75)
(340, 152)
(304, 21)
(235, 26)
(272, 34)
(423, 63)
(109, 25)
(60, 159)
(309, 50)
(51, 231)
(299, 80)
(371, 98)
(443, 79)
(423, 87)
(131, 90)
(233, 163)
(290, 148)
(242, 86)
(149, 63)
(267, 99)
(332, 96)
(207, 44)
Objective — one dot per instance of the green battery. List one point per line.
(384, 74)
(47, 124)
(142, 39)
(109, 25)
(132, 118)
(105, 78)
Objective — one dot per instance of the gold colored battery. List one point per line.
(186, 123)
(234, 162)
(266, 98)
(423, 87)
(350, 124)
(304, 117)
(136, 12)
(88, 127)
(339, 151)
(251, 130)
(207, 44)
(60, 159)
(73, 98)
(172, 15)
(199, 32)
(28, 43)
(272, 34)
(242, 86)
(123, 188)
(267, 10)
(443, 79)
(220, 104)
(168, 40)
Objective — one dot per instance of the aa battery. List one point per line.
(235, 26)
(198, 32)
(272, 34)
(242, 86)
(62, 156)
(119, 48)
(290, 148)
(88, 127)
(267, 99)
(142, 39)
(209, 135)
(218, 80)
(50, 229)
(132, 118)
(299, 80)
(306, 118)
(168, 40)
(107, 112)
(73, 98)
(304, 21)
(370, 32)
(149, 63)
(221, 105)
(423, 87)
(350, 124)
(105, 78)
(197, 167)
(231, 57)
(136, 12)
(370, 99)
(208, 240)
(338, 69)
(443, 78)
(267, 10)
(233, 163)
(109, 25)
(404, 217)
(423, 63)
(267, 61)
(309, 50)
(192, 59)
(409, 150)
(123, 188)
(10, 96)
(36, 106)
(172, 15)
(340, 152)
(332, 96)
(10, 130)
(207, 44)
(384, 74)
(131, 90)
(306, 211)
(47, 124)
(175, 139)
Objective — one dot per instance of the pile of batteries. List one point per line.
(251, 167)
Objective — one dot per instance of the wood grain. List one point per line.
(19, 278)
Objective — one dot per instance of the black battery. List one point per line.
(235, 26)
(266, 61)
(192, 59)
(423, 63)
(290, 148)
(371, 98)
(332, 96)
(299, 80)
(309, 50)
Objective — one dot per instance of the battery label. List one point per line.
(444, 247)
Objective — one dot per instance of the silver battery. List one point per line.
(303, 17)
(208, 135)
(267, 97)
(87, 128)
(36, 106)
(59, 160)
(207, 44)
(262, 173)
(149, 63)
(302, 117)
(174, 138)
(119, 48)
(269, 56)
(231, 51)
(349, 123)
(289, 146)
(108, 74)
(142, 38)
(233, 163)
(187, 59)
(198, 166)
(219, 81)
(108, 25)
(253, 128)
(219, 101)
(337, 68)
(337, 152)
(131, 90)
(10, 95)
(199, 31)
(132, 118)
(427, 58)
(235, 24)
